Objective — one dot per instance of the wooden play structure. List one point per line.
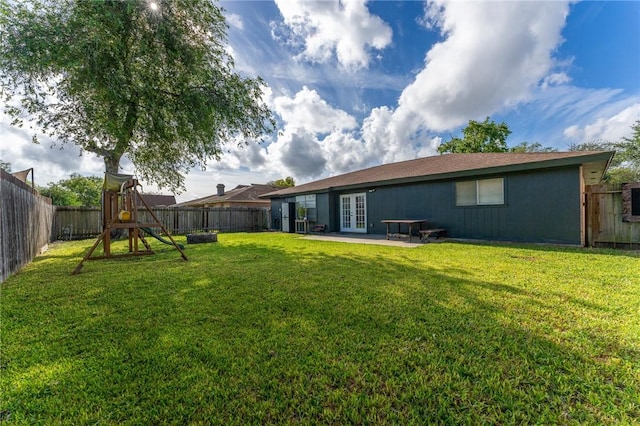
(119, 213)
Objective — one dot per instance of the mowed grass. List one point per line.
(272, 328)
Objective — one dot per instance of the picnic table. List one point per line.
(410, 222)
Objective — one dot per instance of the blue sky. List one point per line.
(355, 84)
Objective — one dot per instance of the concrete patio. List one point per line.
(370, 239)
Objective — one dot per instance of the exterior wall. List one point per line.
(540, 206)
(323, 207)
(276, 214)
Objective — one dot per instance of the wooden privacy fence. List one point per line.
(25, 224)
(85, 222)
(608, 224)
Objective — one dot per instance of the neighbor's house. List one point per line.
(156, 200)
(529, 197)
(240, 196)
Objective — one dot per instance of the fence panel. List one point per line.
(85, 222)
(605, 219)
(76, 223)
(25, 224)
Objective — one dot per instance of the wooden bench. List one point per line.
(426, 233)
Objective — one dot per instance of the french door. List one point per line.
(353, 213)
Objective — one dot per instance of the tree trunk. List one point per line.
(112, 163)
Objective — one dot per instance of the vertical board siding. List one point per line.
(85, 222)
(606, 227)
(540, 206)
(25, 224)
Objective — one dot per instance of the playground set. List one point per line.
(119, 213)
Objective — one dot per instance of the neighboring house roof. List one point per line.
(157, 200)
(239, 194)
(449, 166)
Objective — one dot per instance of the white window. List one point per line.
(466, 193)
(306, 207)
(482, 192)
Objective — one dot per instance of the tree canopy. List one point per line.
(630, 148)
(486, 136)
(77, 190)
(123, 78)
(625, 166)
(5, 166)
(287, 182)
(531, 147)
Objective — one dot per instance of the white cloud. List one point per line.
(298, 149)
(570, 102)
(306, 110)
(345, 153)
(299, 152)
(606, 128)
(343, 28)
(574, 115)
(555, 79)
(50, 163)
(491, 58)
(235, 21)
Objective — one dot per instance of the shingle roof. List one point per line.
(241, 193)
(448, 165)
(157, 200)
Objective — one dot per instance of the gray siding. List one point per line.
(276, 213)
(540, 206)
(323, 207)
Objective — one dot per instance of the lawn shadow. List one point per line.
(254, 332)
(550, 248)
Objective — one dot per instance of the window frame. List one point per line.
(459, 186)
(309, 203)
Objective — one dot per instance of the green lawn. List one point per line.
(272, 328)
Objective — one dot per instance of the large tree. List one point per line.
(147, 79)
(486, 136)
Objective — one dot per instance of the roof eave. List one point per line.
(602, 156)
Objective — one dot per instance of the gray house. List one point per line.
(527, 197)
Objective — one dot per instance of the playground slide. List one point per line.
(159, 238)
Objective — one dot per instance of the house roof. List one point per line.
(450, 166)
(157, 200)
(239, 194)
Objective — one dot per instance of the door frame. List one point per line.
(287, 215)
(353, 212)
